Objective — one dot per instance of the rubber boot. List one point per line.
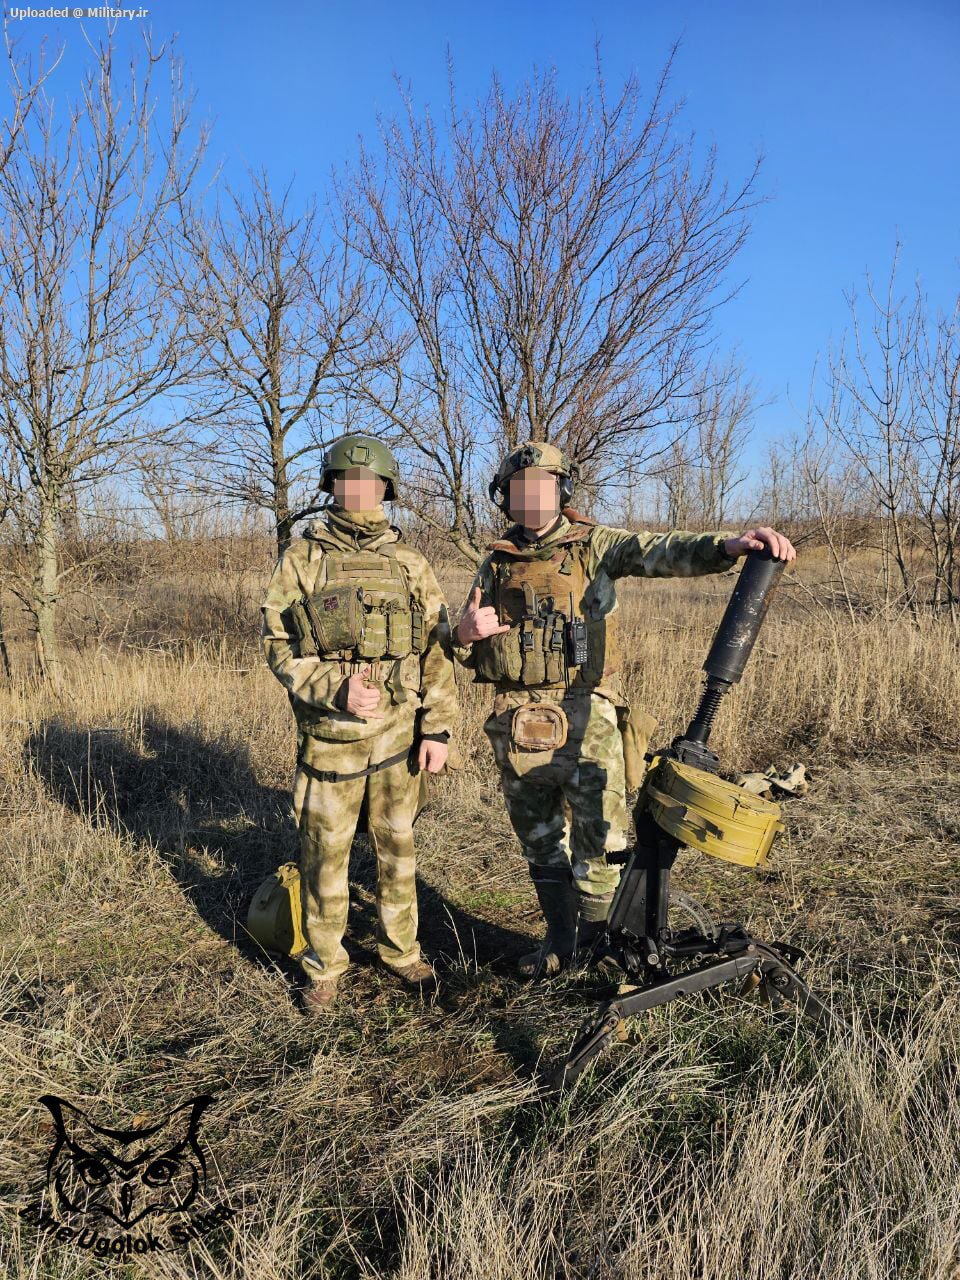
(557, 899)
(591, 921)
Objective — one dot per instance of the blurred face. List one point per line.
(533, 497)
(358, 489)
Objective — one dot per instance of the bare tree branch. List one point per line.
(550, 269)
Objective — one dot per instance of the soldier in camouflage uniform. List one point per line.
(355, 628)
(540, 625)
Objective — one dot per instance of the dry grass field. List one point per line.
(139, 810)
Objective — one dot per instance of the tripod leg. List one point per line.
(782, 980)
(603, 1028)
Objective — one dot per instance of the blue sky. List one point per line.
(855, 107)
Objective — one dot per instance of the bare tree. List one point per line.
(783, 484)
(278, 310)
(8, 501)
(176, 489)
(935, 480)
(93, 348)
(695, 465)
(870, 406)
(829, 489)
(723, 408)
(24, 90)
(552, 268)
(894, 401)
(677, 480)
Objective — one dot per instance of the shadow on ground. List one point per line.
(221, 831)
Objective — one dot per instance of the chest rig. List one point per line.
(360, 610)
(554, 642)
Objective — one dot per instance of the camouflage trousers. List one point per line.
(326, 814)
(587, 773)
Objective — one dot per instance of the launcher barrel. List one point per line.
(732, 645)
(741, 623)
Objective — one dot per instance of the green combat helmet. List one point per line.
(545, 456)
(360, 451)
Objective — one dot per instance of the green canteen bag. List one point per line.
(709, 814)
(274, 918)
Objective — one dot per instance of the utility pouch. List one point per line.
(539, 726)
(418, 630)
(636, 729)
(373, 638)
(534, 669)
(553, 648)
(399, 632)
(335, 618)
(306, 645)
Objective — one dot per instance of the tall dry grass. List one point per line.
(140, 808)
(835, 1162)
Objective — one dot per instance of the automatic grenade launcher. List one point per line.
(684, 803)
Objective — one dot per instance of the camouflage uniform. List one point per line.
(420, 702)
(587, 771)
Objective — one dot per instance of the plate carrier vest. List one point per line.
(360, 610)
(551, 644)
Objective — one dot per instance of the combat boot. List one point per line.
(418, 974)
(591, 922)
(319, 998)
(556, 896)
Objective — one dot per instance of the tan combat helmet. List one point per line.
(545, 456)
(360, 451)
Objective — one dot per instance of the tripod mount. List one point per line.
(662, 963)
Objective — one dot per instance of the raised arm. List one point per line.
(679, 554)
(621, 554)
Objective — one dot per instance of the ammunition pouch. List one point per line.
(710, 814)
